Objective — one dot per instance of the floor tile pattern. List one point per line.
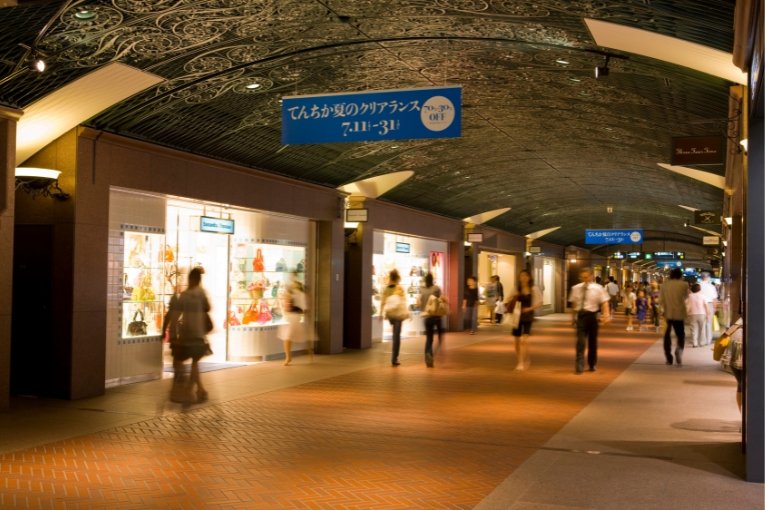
(380, 438)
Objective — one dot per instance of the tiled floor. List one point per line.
(364, 437)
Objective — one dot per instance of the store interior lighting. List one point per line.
(40, 182)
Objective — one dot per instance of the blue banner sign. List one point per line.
(592, 236)
(216, 225)
(669, 263)
(406, 114)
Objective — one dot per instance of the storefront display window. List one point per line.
(143, 284)
(413, 258)
(259, 273)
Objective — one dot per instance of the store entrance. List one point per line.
(413, 258)
(494, 264)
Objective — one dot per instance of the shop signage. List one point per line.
(357, 215)
(475, 237)
(669, 254)
(669, 263)
(698, 150)
(617, 255)
(613, 236)
(216, 225)
(706, 217)
(714, 251)
(405, 114)
(634, 255)
(710, 240)
(403, 247)
(535, 249)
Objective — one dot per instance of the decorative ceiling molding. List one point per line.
(376, 186)
(718, 181)
(74, 103)
(669, 49)
(481, 218)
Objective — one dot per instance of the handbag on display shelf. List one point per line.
(251, 315)
(258, 264)
(232, 320)
(264, 313)
(137, 326)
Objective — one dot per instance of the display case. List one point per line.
(412, 279)
(143, 284)
(259, 272)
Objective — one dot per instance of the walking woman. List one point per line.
(433, 313)
(470, 304)
(293, 304)
(394, 307)
(530, 298)
(192, 309)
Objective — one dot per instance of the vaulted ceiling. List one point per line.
(543, 137)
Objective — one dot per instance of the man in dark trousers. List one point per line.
(672, 300)
(587, 299)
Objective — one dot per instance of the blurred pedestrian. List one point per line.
(470, 305)
(530, 298)
(433, 305)
(697, 315)
(394, 307)
(293, 304)
(189, 319)
(709, 291)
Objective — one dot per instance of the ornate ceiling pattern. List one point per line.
(540, 133)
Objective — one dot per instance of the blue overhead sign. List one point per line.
(406, 114)
(631, 236)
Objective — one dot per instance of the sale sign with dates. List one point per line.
(406, 114)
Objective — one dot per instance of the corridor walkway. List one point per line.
(349, 431)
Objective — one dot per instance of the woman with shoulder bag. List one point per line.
(430, 296)
(394, 308)
(189, 317)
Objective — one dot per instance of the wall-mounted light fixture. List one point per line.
(40, 181)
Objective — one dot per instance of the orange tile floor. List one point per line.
(378, 438)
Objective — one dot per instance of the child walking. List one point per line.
(641, 304)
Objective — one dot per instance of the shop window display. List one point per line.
(259, 273)
(143, 283)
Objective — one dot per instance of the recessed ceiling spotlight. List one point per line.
(562, 61)
(84, 14)
(252, 86)
(38, 64)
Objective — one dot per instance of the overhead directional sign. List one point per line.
(633, 236)
(406, 114)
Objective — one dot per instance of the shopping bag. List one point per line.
(513, 319)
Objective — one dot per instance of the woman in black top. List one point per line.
(528, 295)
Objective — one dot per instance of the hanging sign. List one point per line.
(403, 247)
(535, 249)
(406, 114)
(357, 215)
(710, 241)
(216, 225)
(592, 236)
(698, 150)
(706, 218)
(475, 237)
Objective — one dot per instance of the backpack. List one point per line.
(436, 306)
(395, 308)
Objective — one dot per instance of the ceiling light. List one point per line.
(603, 70)
(84, 14)
(729, 220)
(725, 243)
(575, 80)
(39, 181)
(252, 86)
(745, 144)
(562, 61)
(38, 64)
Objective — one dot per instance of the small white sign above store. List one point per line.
(216, 225)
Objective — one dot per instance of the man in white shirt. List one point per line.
(587, 299)
(613, 293)
(709, 291)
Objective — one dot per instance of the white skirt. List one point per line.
(294, 329)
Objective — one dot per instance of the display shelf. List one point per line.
(143, 283)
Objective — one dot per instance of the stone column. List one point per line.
(8, 119)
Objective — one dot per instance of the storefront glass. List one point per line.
(413, 257)
(248, 259)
